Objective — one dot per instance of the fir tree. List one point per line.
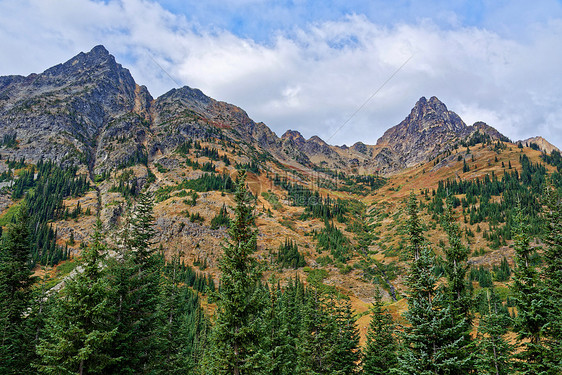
(552, 271)
(235, 335)
(532, 311)
(345, 339)
(329, 339)
(135, 277)
(181, 333)
(495, 353)
(275, 349)
(458, 296)
(16, 348)
(79, 333)
(424, 349)
(379, 356)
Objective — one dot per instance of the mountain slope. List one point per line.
(187, 148)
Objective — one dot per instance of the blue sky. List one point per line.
(310, 65)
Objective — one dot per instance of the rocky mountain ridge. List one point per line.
(90, 111)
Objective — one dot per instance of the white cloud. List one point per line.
(310, 78)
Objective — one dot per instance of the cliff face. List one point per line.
(61, 113)
(429, 129)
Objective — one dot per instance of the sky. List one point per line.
(345, 70)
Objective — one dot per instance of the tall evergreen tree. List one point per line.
(552, 271)
(532, 310)
(379, 356)
(235, 335)
(425, 341)
(281, 329)
(181, 333)
(494, 352)
(329, 339)
(16, 348)
(136, 277)
(458, 296)
(79, 333)
(345, 339)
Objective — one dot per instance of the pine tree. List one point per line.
(290, 313)
(458, 296)
(16, 349)
(552, 271)
(425, 341)
(345, 339)
(495, 353)
(181, 333)
(329, 340)
(532, 310)
(135, 278)
(79, 333)
(235, 335)
(379, 356)
(415, 234)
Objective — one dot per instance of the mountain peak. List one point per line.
(99, 50)
(292, 135)
(542, 143)
(423, 133)
(98, 58)
(432, 113)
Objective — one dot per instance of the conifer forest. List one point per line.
(139, 313)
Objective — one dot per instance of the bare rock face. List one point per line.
(62, 113)
(429, 129)
(194, 108)
(292, 147)
(542, 143)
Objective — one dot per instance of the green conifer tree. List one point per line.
(379, 356)
(235, 336)
(80, 330)
(458, 295)
(532, 312)
(16, 349)
(552, 271)
(329, 340)
(181, 332)
(494, 352)
(345, 339)
(425, 341)
(135, 278)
